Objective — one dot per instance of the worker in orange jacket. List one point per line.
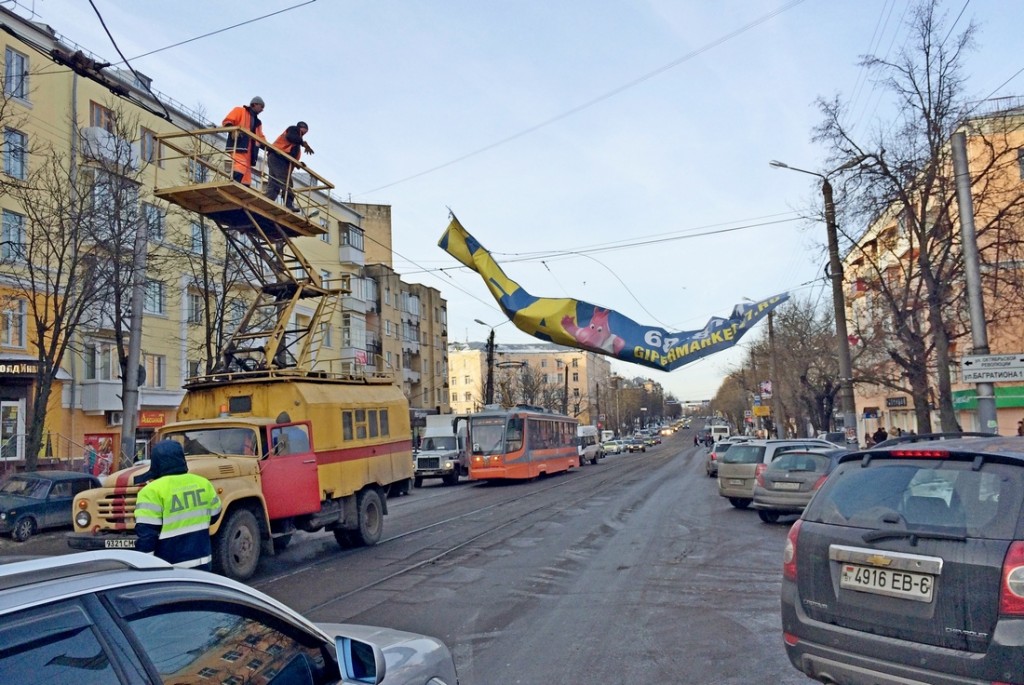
(292, 143)
(245, 148)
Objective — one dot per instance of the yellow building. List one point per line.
(68, 120)
(536, 374)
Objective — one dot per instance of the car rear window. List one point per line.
(923, 494)
(744, 454)
(799, 461)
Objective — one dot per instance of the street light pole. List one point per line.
(489, 384)
(846, 401)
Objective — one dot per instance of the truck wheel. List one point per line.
(417, 482)
(594, 460)
(236, 547)
(23, 529)
(371, 519)
(451, 478)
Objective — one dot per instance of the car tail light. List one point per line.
(1011, 591)
(789, 552)
(930, 454)
(759, 474)
(818, 483)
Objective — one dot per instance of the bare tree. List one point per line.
(900, 183)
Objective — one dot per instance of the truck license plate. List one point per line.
(882, 581)
(128, 543)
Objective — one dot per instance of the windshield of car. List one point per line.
(35, 488)
(923, 494)
(441, 442)
(722, 447)
(233, 441)
(744, 454)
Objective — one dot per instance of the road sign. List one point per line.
(992, 368)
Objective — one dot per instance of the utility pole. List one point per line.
(565, 392)
(987, 421)
(780, 418)
(489, 387)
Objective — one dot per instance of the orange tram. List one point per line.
(520, 443)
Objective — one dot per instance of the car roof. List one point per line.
(52, 475)
(1006, 448)
(788, 441)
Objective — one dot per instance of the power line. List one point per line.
(596, 100)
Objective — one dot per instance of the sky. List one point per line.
(611, 151)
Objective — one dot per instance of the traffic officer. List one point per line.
(174, 510)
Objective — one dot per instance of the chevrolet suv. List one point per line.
(739, 466)
(125, 617)
(907, 567)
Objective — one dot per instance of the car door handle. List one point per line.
(309, 461)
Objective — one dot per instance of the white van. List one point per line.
(588, 444)
(719, 431)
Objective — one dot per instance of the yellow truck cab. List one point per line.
(285, 454)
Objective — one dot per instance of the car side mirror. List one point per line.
(359, 662)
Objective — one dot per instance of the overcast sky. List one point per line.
(598, 148)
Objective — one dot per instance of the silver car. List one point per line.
(127, 617)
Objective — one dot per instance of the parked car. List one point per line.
(635, 445)
(787, 484)
(716, 451)
(612, 446)
(127, 617)
(34, 501)
(907, 566)
(738, 467)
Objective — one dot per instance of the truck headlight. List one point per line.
(3, 515)
(448, 465)
(82, 519)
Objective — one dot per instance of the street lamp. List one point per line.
(846, 402)
(489, 385)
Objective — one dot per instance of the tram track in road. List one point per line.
(580, 487)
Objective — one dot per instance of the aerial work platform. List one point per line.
(195, 173)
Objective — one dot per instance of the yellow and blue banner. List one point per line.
(578, 324)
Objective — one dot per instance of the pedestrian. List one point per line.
(174, 510)
(880, 435)
(868, 442)
(245, 147)
(291, 142)
(1020, 427)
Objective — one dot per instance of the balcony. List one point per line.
(101, 396)
(353, 303)
(410, 376)
(351, 255)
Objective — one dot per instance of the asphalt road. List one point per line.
(631, 570)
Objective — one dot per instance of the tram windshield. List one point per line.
(496, 435)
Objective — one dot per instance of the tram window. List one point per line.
(347, 430)
(385, 429)
(514, 435)
(372, 423)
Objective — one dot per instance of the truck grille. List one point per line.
(429, 462)
(117, 508)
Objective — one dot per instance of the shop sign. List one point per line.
(17, 368)
(870, 412)
(762, 410)
(895, 401)
(151, 419)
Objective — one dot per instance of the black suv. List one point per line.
(908, 567)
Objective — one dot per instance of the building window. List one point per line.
(194, 368)
(156, 368)
(387, 329)
(12, 320)
(12, 237)
(325, 332)
(15, 154)
(153, 301)
(455, 397)
(1020, 161)
(575, 377)
(100, 362)
(197, 171)
(194, 308)
(468, 397)
(543, 363)
(196, 239)
(15, 74)
(235, 311)
(149, 147)
(101, 117)
(575, 363)
(154, 219)
(325, 277)
(350, 236)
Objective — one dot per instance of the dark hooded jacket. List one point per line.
(174, 510)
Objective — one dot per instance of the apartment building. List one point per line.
(62, 117)
(537, 374)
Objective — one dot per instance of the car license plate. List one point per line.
(126, 543)
(786, 486)
(882, 581)
(735, 481)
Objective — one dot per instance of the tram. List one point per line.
(520, 443)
